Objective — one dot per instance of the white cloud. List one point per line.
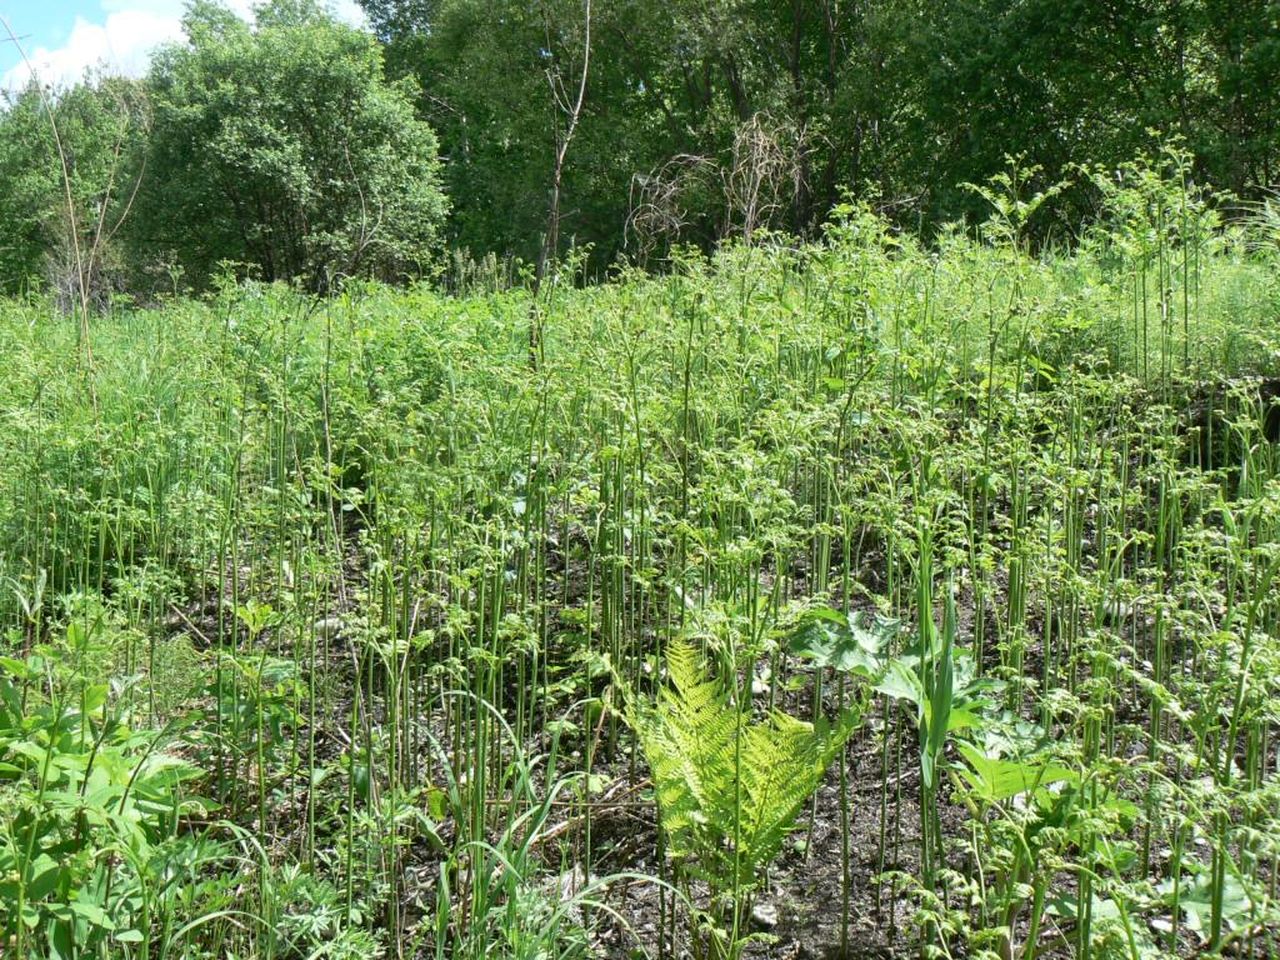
(122, 43)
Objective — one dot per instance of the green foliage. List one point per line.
(59, 230)
(855, 643)
(939, 679)
(678, 97)
(892, 101)
(92, 842)
(994, 779)
(729, 787)
(396, 583)
(281, 147)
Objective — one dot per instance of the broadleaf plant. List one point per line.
(855, 643)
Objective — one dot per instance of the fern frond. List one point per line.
(784, 761)
(728, 789)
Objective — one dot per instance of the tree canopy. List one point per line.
(307, 149)
(64, 197)
(280, 145)
(692, 103)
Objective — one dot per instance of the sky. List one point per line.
(63, 38)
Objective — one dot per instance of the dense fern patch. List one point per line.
(846, 598)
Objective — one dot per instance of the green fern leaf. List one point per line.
(728, 788)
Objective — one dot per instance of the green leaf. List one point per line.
(962, 718)
(901, 683)
(1195, 901)
(93, 913)
(44, 874)
(994, 780)
(61, 941)
(437, 803)
(32, 751)
(728, 788)
(94, 697)
(18, 668)
(856, 643)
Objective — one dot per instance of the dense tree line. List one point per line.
(308, 149)
(694, 102)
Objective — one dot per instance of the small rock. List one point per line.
(765, 915)
(326, 628)
(1117, 611)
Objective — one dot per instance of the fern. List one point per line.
(729, 787)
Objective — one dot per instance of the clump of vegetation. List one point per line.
(728, 789)
(277, 149)
(338, 628)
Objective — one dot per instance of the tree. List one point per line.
(68, 174)
(674, 88)
(281, 146)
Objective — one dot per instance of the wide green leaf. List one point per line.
(995, 779)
